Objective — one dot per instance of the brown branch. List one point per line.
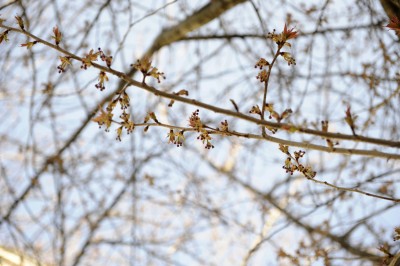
(391, 7)
(283, 126)
(201, 17)
(356, 190)
(262, 36)
(305, 145)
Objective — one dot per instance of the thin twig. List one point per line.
(353, 190)
(266, 82)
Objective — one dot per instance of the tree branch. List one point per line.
(283, 126)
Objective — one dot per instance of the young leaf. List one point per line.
(29, 45)
(4, 36)
(350, 120)
(20, 22)
(57, 35)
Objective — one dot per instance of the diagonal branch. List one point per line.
(288, 127)
(199, 18)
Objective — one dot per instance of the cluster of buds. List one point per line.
(125, 123)
(89, 58)
(176, 138)
(273, 114)
(104, 118)
(282, 38)
(123, 99)
(144, 66)
(205, 138)
(194, 121)
(255, 110)
(261, 63)
(263, 75)
(293, 164)
(105, 58)
(288, 57)
(65, 61)
(102, 79)
(224, 126)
